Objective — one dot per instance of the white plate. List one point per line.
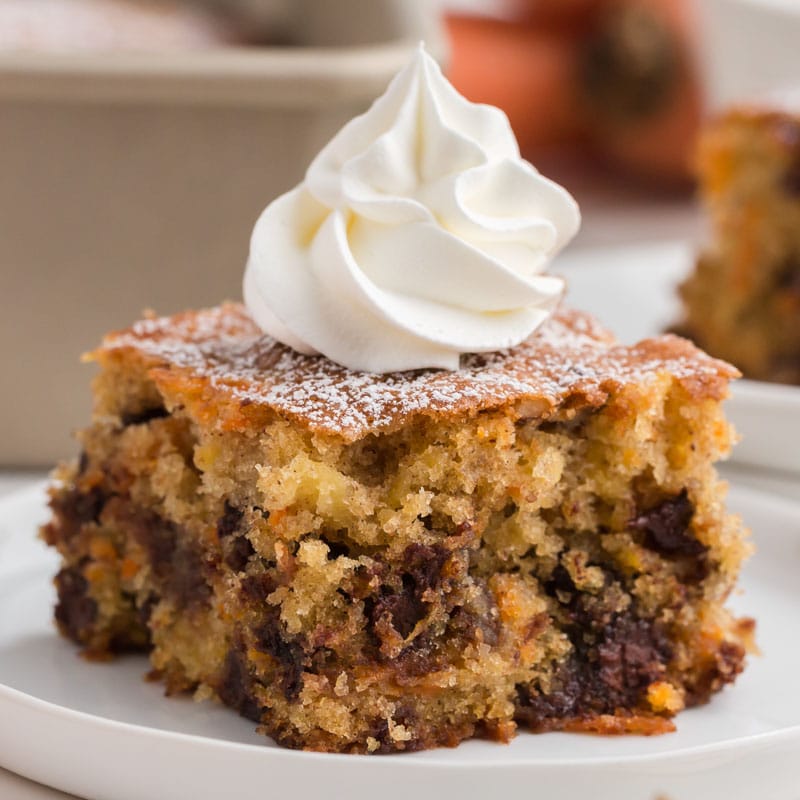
(632, 290)
(99, 731)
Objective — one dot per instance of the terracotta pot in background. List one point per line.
(641, 88)
(527, 72)
(617, 76)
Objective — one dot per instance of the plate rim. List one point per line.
(783, 392)
(8, 694)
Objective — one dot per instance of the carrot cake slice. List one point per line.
(365, 562)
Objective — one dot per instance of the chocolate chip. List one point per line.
(238, 552)
(236, 686)
(176, 560)
(76, 610)
(630, 657)
(230, 520)
(141, 417)
(402, 606)
(562, 700)
(336, 548)
(421, 657)
(145, 610)
(615, 656)
(425, 564)
(256, 588)
(287, 652)
(610, 668)
(404, 609)
(236, 547)
(560, 581)
(73, 509)
(667, 527)
(379, 730)
(567, 427)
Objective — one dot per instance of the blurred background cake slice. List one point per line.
(743, 301)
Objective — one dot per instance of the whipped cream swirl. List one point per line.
(418, 234)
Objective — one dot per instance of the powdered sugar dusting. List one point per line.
(570, 357)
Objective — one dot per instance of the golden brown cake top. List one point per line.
(218, 361)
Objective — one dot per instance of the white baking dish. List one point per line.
(132, 181)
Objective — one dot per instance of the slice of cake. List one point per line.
(372, 563)
(743, 301)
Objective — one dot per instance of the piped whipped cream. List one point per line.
(418, 234)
